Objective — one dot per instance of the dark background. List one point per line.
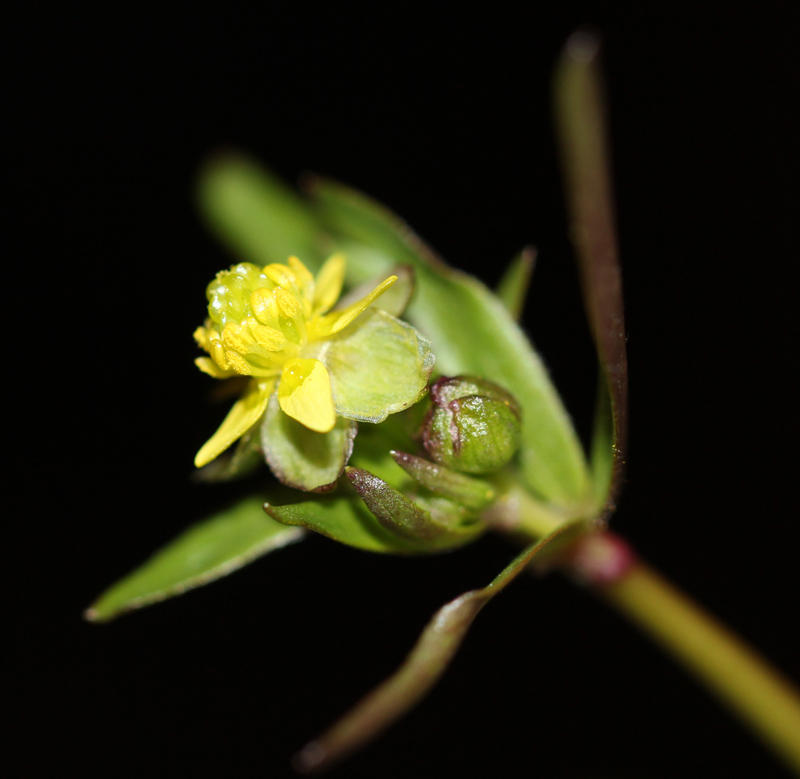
(443, 115)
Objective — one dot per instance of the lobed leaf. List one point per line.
(204, 553)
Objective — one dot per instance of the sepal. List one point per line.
(300, 457)
(434, 522)
(470, 492)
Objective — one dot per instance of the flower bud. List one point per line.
(473, 426)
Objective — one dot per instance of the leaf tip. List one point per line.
(97, 615)
(582, 46)
(310, 758)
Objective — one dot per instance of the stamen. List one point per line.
(237, 362)
(265, 307)
(217, 352)
(237, 337)
(287, 302)
(268, 337)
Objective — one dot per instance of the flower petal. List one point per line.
(328, 284)
(244, 414)
(378, 367)
(302, 458)
(394, 301)
(305, 394)
(207, 365)
(337, 320)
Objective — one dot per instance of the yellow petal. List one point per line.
(303, 275)
(281, 275)
(212, 369)
(305, 285)
(244, 414)
(201, 337)
(305, 394)
(337, 320)
(328, 285)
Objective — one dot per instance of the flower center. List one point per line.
(257, 317)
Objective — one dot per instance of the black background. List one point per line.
(444, 116)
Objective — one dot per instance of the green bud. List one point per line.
(468, 491)
(473, 425)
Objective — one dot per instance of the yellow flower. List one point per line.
(275, 325)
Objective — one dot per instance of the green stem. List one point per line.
(759, 694)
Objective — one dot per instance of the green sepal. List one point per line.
(202, 554)
(470, 329)
(378, 366)
(435, 522)
(472, 493)
(302, 458)
(375, 443)
(394, 510)
(345, 518)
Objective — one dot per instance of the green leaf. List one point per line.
(204, 553)
(378, 366)
(255, 214)
(513, 287)
(471, 331)
(582, 132)
(346, 519)
(427, 661)
(302, 458)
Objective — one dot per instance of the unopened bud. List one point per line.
(473, 425)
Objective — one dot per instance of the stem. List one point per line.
(759, 694)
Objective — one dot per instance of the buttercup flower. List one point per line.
(276, 325)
